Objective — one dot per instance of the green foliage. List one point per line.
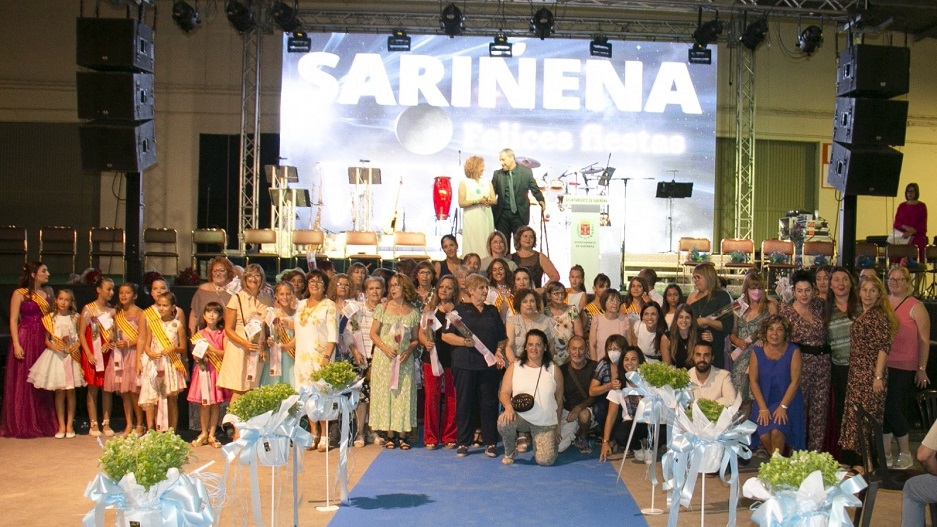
(789, 472)
(738, 257)
(711, 409)
(148, 457)
(658, 374)
(261, 400)
(336, 374)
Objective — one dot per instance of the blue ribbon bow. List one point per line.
(182, 501)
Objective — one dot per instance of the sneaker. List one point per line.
(904, 461)
(889, 460)
(564, 444)
(462, 451)
(522, 444)
(491, 451)
(585, 447)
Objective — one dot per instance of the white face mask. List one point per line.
(614, 356)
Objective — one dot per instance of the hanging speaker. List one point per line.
(873, 71)
(870, 121)
(864, 170)
(115, 96)
(118, 147)
(114, 44)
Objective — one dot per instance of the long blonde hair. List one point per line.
(882, 304)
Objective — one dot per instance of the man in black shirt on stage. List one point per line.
(511, 183)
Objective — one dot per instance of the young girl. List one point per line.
(122, 378)
(162, 372)
(281, 335)
(576, 290)
(59, 367)
(96, 330)
(673, 297)
(204, 389)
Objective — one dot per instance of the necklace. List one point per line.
(307, 311)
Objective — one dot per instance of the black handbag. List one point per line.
(523, 402)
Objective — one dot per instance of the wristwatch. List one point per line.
(784, 406)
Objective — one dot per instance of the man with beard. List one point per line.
(708, 381)
(577, 417)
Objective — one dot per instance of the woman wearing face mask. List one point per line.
(682, 337)
(605, 377)
(621, 409)
(746, 330)
(611, 322)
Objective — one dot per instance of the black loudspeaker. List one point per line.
(114, 44)
(121, 148)
(865, 170)
(870, 121)
(115, 96)
(873, 71)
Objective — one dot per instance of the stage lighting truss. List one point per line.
(542, 23)
(754, 34)
(285, 16)
(600, 47)
(810, 39)
(399, 41)
(185, 16)
(452, 21)
(240, 14)
(500, 47)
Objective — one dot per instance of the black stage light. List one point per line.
(285, 16)
(810, 39)
(185, 16)
(600, 47)
(708, 33)
(754, 34)
(452, 21)
(542, 23)
(299, 42)
(240, 14)
(500, 47)
(399, 41)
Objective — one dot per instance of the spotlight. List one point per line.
(285, 16)
(600, 47)
(299, 42)
(542, 23)
(452, 21)
(185, 16)
(708, 33)
(500, 47)
(810, 39)
(700, 55)
(399, 41)
(754, 34)
(240, 14)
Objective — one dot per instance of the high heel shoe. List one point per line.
(200, 440)
(214, 442)
(106, 428)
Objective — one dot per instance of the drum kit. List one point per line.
(569, 183)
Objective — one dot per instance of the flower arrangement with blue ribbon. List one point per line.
(265, 439)
(865, 261)
(738, 257)
(699, 445)
(811, 504)
(179, 500)
(322, 401)
(819, 259)
(697, 256)
(778, 257)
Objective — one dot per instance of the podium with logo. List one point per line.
(585, 216)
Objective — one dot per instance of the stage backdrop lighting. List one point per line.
(452, 20)
(542, 23)
(810, 39)
(185, 16)
(240, 14)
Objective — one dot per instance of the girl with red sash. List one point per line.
(96, 331)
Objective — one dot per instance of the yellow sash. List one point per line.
(283, 337)
(594, 309)
(48, 322)
(212, 357)
(125, 325)
(35, 297)
(159, 332)
(95, 311)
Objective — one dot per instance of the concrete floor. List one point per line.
(46, 478)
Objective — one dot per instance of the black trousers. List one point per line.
(476, 391)
(899, 390)
(508, 223)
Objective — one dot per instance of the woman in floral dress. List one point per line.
(566, 322)
(747, 327)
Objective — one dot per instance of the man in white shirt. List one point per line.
(708, 381)
(921, 491)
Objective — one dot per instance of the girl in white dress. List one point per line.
(57, 368)
(162, 372)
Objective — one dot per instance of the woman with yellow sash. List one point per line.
(245, 338)
(96, 330)
(27, 412)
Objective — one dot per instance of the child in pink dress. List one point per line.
(204, 389)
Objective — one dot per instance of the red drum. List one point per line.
(442, 196)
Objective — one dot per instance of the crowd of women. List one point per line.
(479, 334)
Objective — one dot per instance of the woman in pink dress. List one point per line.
(911, 218)
(27, 411)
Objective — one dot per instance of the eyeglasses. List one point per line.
(316, 281)
(219, 271)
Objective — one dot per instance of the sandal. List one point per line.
(139, 430)
(106, 428)
(404, 445)
(200, 440)
(214, 442)
(389, 445)
(93, 431)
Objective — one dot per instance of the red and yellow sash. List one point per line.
(282, 337)
(95, 311)
(210, 355)
(48, 322)
(155, 324)
(594, 309)
(35, 297)
(125, 325)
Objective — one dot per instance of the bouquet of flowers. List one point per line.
(659, 374)
(738, 257)
(697, 256)
(187, 276)
(148, 278)
(807, 489)
(778, 257)
(88, 277)
(337, 375)
(260, 400)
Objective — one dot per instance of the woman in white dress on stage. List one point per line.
(476, 197)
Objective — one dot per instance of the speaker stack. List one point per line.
(116, 96)
(867, 121)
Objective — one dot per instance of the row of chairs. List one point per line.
(811, 250)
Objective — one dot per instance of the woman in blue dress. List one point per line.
(774, 374)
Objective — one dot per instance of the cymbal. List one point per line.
(591, 171)
(574, 183)
(528, 162)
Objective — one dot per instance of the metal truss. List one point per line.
(744, 141)
(249, 174)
